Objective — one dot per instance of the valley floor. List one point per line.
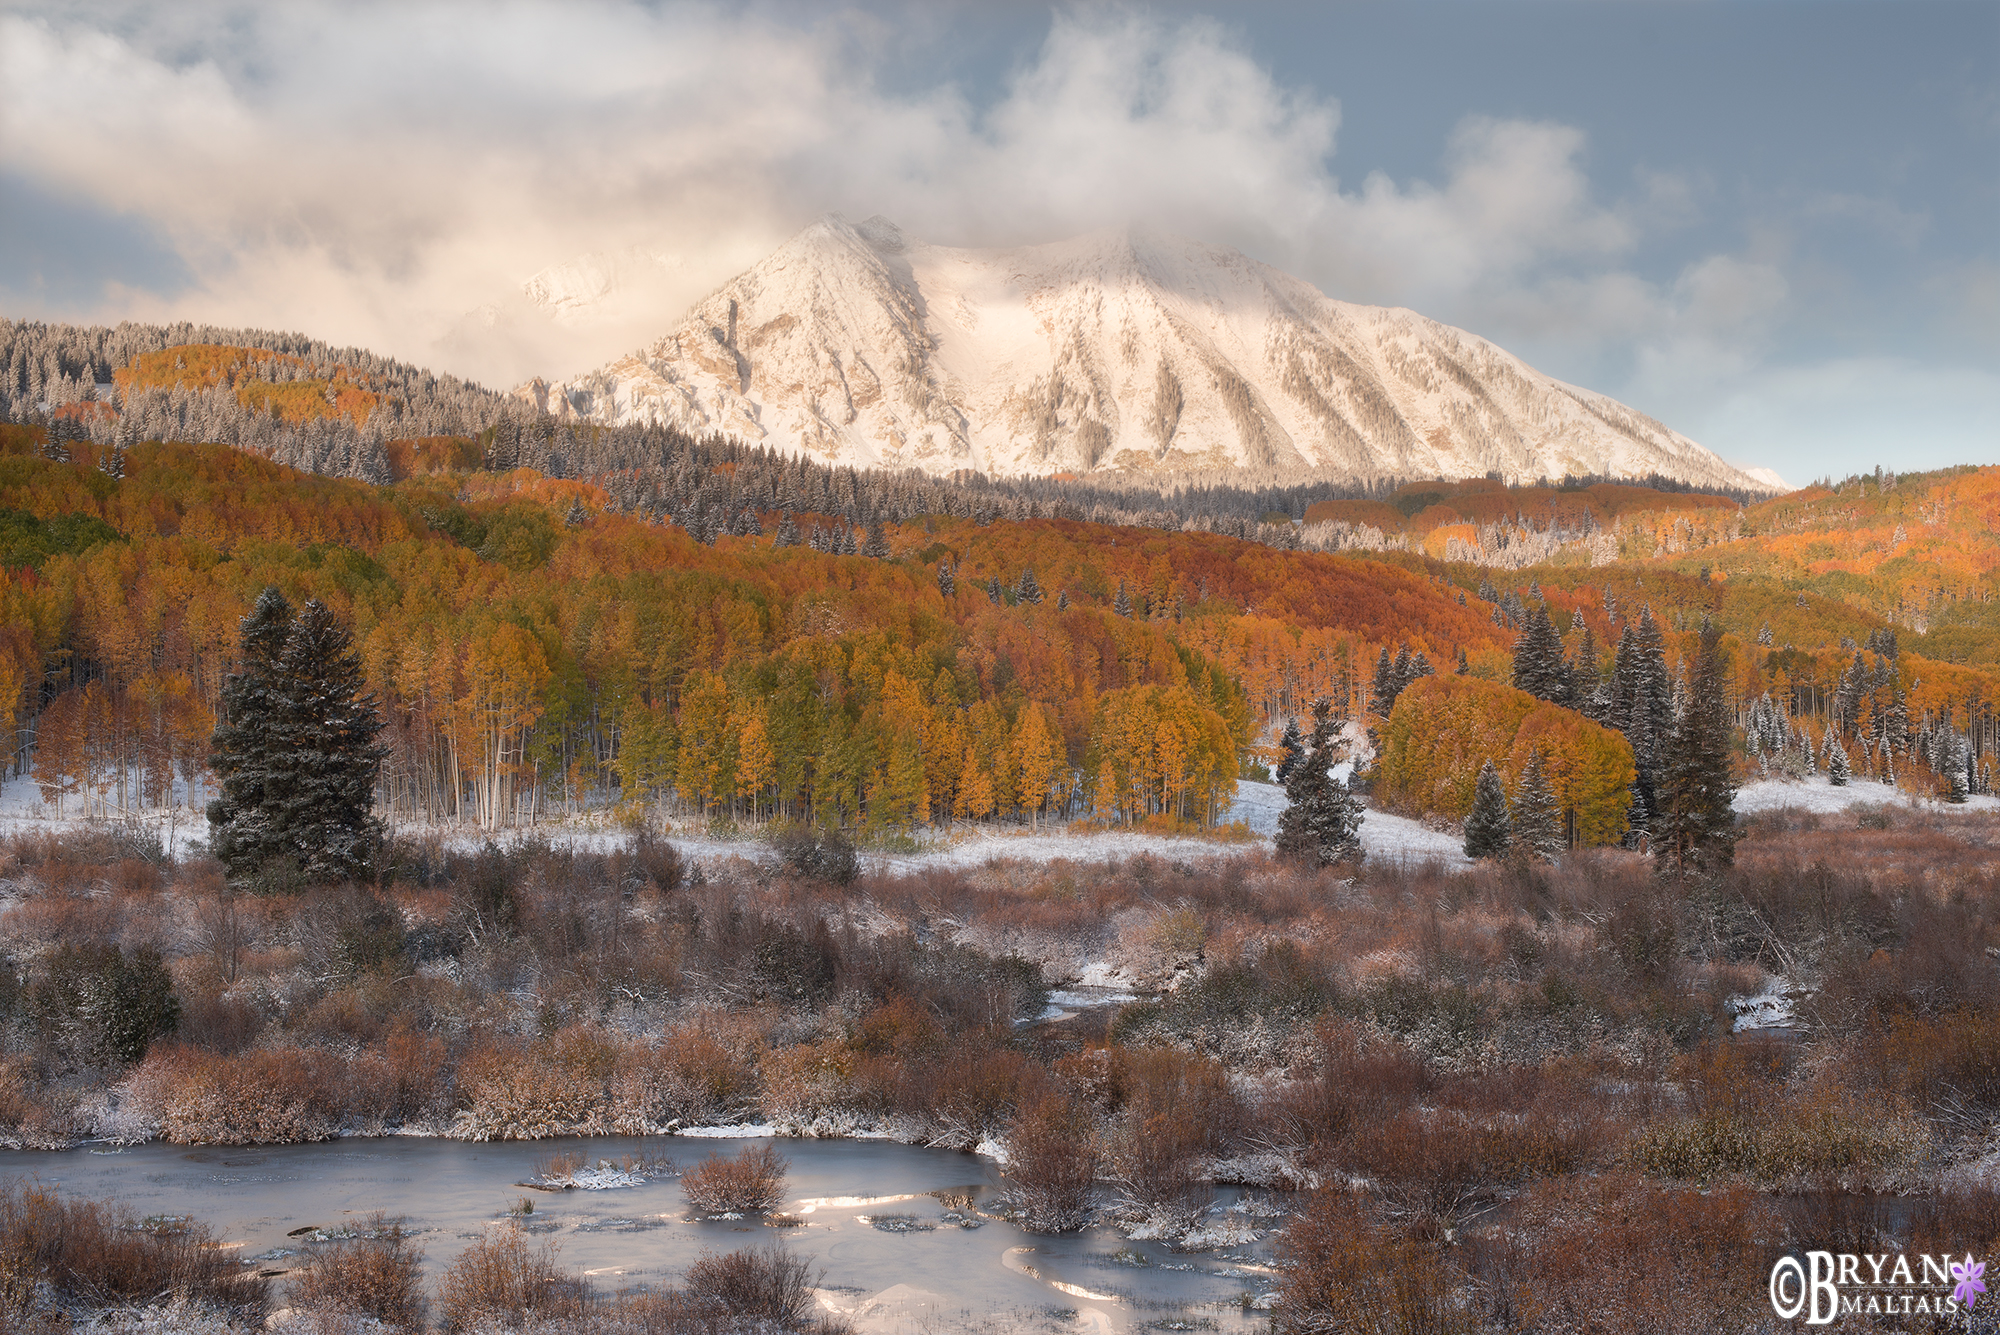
(1386, 837)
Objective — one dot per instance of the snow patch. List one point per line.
(731, 1131)
(1818, 796)
(1769, 1009)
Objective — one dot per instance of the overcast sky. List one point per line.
(1774, 226)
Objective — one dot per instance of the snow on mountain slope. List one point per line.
(1129, 350)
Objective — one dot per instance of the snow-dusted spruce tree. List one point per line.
(1489, 832)
(1322, 824)
(947, 582)
(1694, 828)
(296, 753)
(1838, 767)
(1539, 666)
(252, 732)
(1957, 780)
(1291, 749)
(1537, 817)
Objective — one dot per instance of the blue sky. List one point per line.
(1771, 225)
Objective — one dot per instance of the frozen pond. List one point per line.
(891, 1258)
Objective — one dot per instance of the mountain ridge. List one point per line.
(1127, 351)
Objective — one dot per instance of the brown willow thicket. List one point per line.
(1483, 1070)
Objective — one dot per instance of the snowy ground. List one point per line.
(1822, 798)
(1257, 806)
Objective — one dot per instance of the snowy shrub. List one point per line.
(514, 1093)
(1052, 1158)
(769, 1283)
(1614, 1253)
(378, 1274)
(686, 1077)
(752, 1181)
(270, 1096)
(970, 1097)
(501, 1279)
(806, 1082)
(32, 1118)
(1826, 1138)
(1339, 1260)
(82, 1253)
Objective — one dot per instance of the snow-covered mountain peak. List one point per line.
(1123, 349)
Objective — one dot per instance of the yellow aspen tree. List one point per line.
(505, 674)
(755, 765)
(900, 797)
(706, 770)
(1037, 755)
(60, 748)
(975, 787)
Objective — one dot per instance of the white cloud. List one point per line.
(370, 173)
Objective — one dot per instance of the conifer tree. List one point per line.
(1123, 605)
(296, 752)
(945, 577)
(1694, 827)
(1585, 679)
(788, 531)
(1322, 824)
(1463, 666)
(1958, 784)
(993, 590)
(1538, 659)
(1291, 748)
(1382, 698)
(878, 541)
(330, 818)
(1489, 831)
(1537, 819)
(1028, 590)
(250, 737)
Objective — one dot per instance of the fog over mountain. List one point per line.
(1130, 350)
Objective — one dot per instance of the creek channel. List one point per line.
(874, 1212)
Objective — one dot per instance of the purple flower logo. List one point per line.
(1970, 1285)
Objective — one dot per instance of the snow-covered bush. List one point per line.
(751, 1181)
(515, 1092)
(267, 1096)
(501, 1278)
(1052, 1159)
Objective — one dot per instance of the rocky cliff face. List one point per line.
(1117, 350)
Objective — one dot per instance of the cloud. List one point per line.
(370, 173)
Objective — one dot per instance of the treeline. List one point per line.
(533, 650)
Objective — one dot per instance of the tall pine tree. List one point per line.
(1694, 825)
(1539, 668)
(1838, 767)
(250, 738)
(1322, 824)
(296, 752)
(1291, 749)
(1537, 817)
(1489, 831)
